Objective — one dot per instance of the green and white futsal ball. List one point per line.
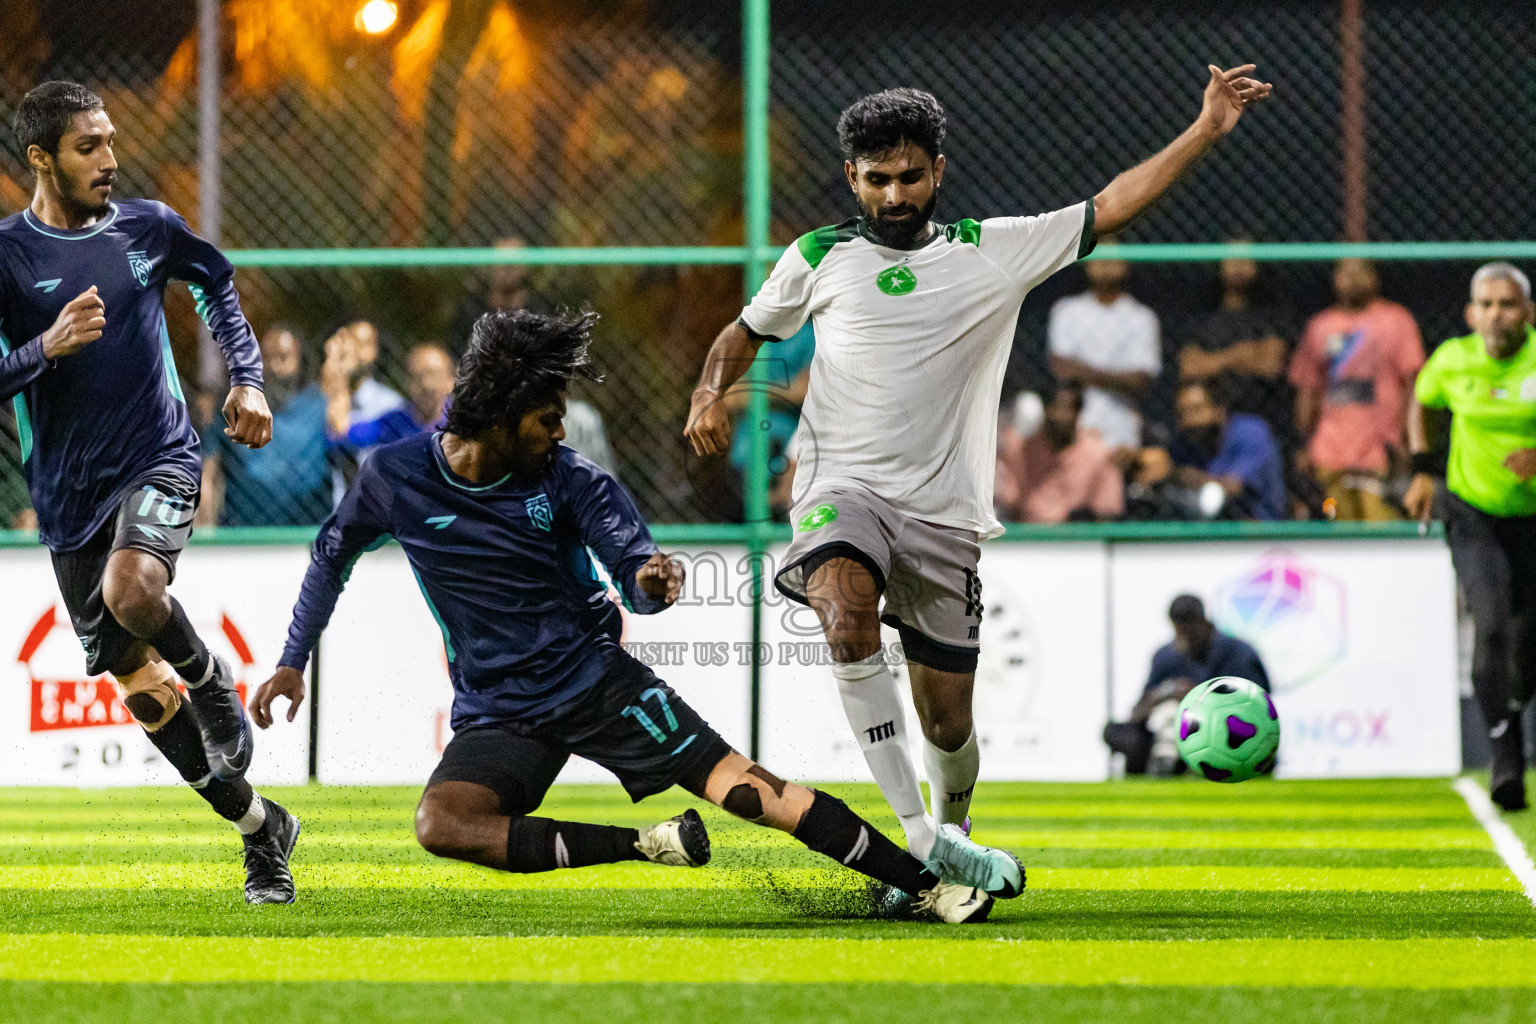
(1228, 729)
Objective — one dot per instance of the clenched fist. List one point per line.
(80, 322)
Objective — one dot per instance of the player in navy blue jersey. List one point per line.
(111, 457)
(497, 518)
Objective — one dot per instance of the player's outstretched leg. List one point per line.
(268, 831)
(464, 821)
(133, 590)
(846, 599)
(826, 825)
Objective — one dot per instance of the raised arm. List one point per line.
(1227, 95)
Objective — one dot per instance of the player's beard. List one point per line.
(79, 194)
(899, 234)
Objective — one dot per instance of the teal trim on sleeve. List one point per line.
(19, 404)
(447, 642)
(172, 378)
(200, 299)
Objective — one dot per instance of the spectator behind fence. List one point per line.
(1220, 465)
(430, 370)
(1242, 344)
(505, 286)
(1199, 651)
(1108, 342)
(352, 395)
(287, 482)
(1055, 470)
(585, 433)
(1352, 372)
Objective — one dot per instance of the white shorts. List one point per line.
(925, 573)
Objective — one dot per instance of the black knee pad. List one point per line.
(743, 801)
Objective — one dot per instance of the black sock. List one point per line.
(182, 745)
(179, 644)
(543, 844)
(830, 828)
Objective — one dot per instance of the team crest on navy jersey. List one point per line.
(139, 263)
(539, 511)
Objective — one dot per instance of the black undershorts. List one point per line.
(631, 723)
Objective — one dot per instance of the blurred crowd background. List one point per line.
(514, 123)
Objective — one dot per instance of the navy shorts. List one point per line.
(155, 515)
(631, 723)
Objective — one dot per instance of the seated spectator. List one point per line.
(1199, 651)
(1109, 343)
(1242, 344)
(1059, 471)
(430, 369)
(1233, 450)
(287, 482)
(1353, 372)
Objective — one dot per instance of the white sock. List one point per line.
(879, 723)
(951, 779)
(254, 815)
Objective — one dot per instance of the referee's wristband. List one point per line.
(1427, 462)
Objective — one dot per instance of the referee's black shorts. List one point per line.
(631, 723)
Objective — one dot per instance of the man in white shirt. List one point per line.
(893, 488)
(1109, 343)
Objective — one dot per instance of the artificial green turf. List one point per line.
(780, 891)
(834, 1004)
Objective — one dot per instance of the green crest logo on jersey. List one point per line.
(140, 264)
(818, 517)
(896, 280)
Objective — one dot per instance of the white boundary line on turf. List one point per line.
(1504, 839)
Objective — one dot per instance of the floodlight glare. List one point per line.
(376, 17)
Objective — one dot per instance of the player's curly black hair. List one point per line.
(880, 122)
(517, 361)
(44, 114)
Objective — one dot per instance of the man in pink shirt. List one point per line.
(1353, 372)
(1060, 471)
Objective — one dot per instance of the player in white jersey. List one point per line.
(893, 487)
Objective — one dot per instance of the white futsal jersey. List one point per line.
(911, 346)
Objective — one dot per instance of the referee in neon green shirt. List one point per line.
(1487, 380)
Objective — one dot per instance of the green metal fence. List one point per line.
(654, 158)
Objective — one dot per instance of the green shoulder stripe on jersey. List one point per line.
(967, 231)
(815, 245)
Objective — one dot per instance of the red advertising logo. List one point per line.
(63, 703)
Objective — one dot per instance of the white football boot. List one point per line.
(679, 842)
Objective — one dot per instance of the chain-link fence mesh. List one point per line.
(536, 122)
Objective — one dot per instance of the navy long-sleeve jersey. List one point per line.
(504, 567)
(93, 421)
